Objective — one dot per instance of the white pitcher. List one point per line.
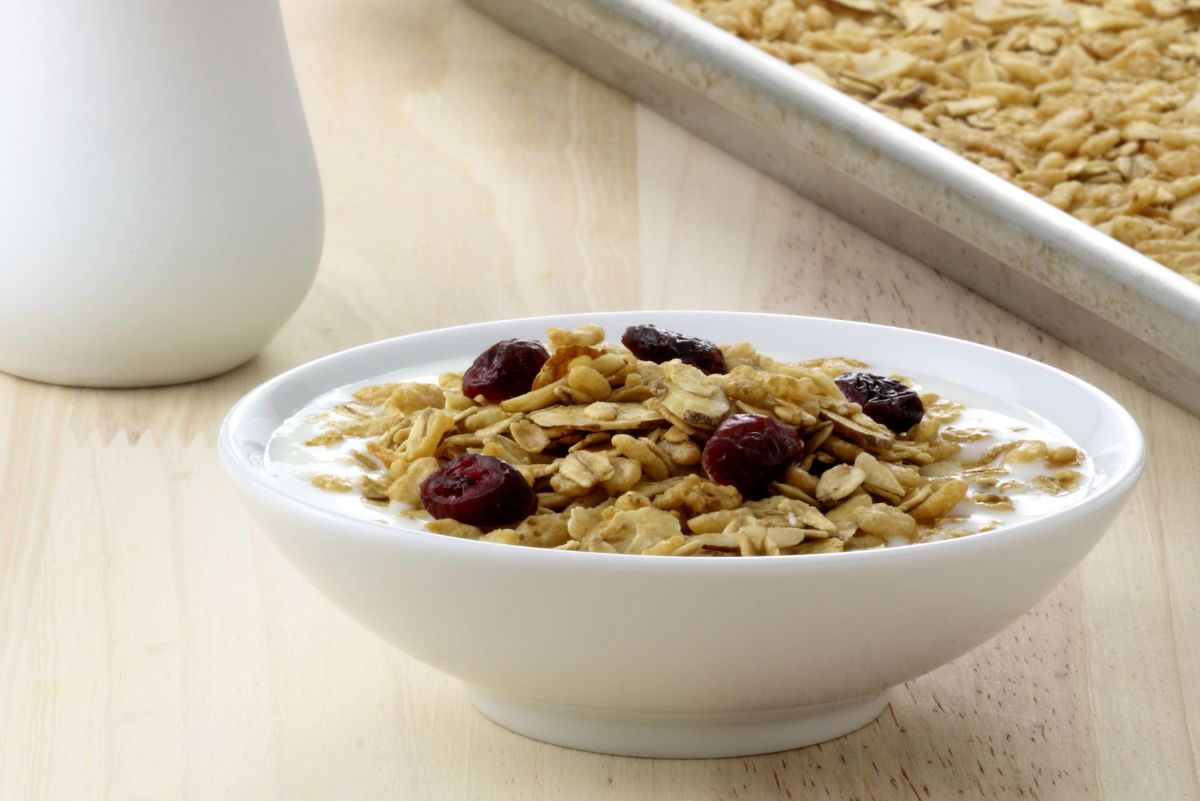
(160, 209)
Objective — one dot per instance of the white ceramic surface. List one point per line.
(160, 209)
(656, 656)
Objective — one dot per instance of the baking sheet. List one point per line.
(1060, 274)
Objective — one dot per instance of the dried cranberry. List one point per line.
(505, 370)
(479, 490)
(884, 400)
(748, 451)
(656, 344)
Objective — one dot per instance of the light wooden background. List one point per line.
(153, 646)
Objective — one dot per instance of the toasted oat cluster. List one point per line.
(1094, 107)
(622, 455)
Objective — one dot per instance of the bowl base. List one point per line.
(677, 735)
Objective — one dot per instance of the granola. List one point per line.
(613, 448)
(1093, 107)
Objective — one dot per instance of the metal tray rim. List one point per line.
(1124, 266)
(1040, 263)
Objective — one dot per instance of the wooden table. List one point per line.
(154, 646)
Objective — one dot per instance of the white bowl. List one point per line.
(678, 657)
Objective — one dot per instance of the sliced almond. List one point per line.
(626, 417)
(875, 438)
(688, 394)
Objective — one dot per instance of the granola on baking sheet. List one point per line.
(1093, 107)
(748, 456)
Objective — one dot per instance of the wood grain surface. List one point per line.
(154, 646)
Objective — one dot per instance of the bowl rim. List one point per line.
(253, 477)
